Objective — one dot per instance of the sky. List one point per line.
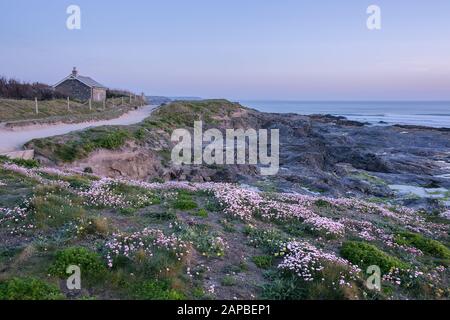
(235, 49)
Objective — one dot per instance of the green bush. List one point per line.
(228, 281)
(213, 205)
(162, 216)
(140, 134)
(284, 287)
(322, 203)
(429, 246)
(160, 261)
(365, 255)
(28, 289)
(156, 290)
(182, 204)
(263, 262)
(90, 263)
(69, 152)
(30, 163)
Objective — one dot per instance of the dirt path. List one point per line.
(14, 139)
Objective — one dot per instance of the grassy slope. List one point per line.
(78, 145)
(23, 111)
(241, 263)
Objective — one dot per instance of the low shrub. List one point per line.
(210, 245)
(365, 255)
(28, 289)
(429, 246)
(263, 262)
(284, 287)
(27, 163)
(161, 216)
(228, 281)
(90, 263)
(111, 140)
(202, 213)
(322, 203)
(156, 290)
(327, 286)
(207, 243)
(182, 204)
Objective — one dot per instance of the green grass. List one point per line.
(284, 287)
(365, 255)
(56, 110)
(17, 187)
(185, 202)
(110, 140)
(202, 213)
(79, 145)
(263, 262)
(54, 209)
(428, 246)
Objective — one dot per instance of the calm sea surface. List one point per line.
(432, 114)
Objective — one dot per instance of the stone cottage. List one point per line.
(81, 88)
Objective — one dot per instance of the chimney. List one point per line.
(75, 72)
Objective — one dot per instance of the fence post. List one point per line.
(68, 104)
(130, 97)
(37, 107)
(90, 104)
(104, 104)
(122, 101)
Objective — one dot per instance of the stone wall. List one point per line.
(75, 90)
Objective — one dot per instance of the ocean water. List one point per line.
(430, 114)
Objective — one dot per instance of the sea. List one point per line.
(421, 113)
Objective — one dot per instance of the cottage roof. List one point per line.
(86, 80)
